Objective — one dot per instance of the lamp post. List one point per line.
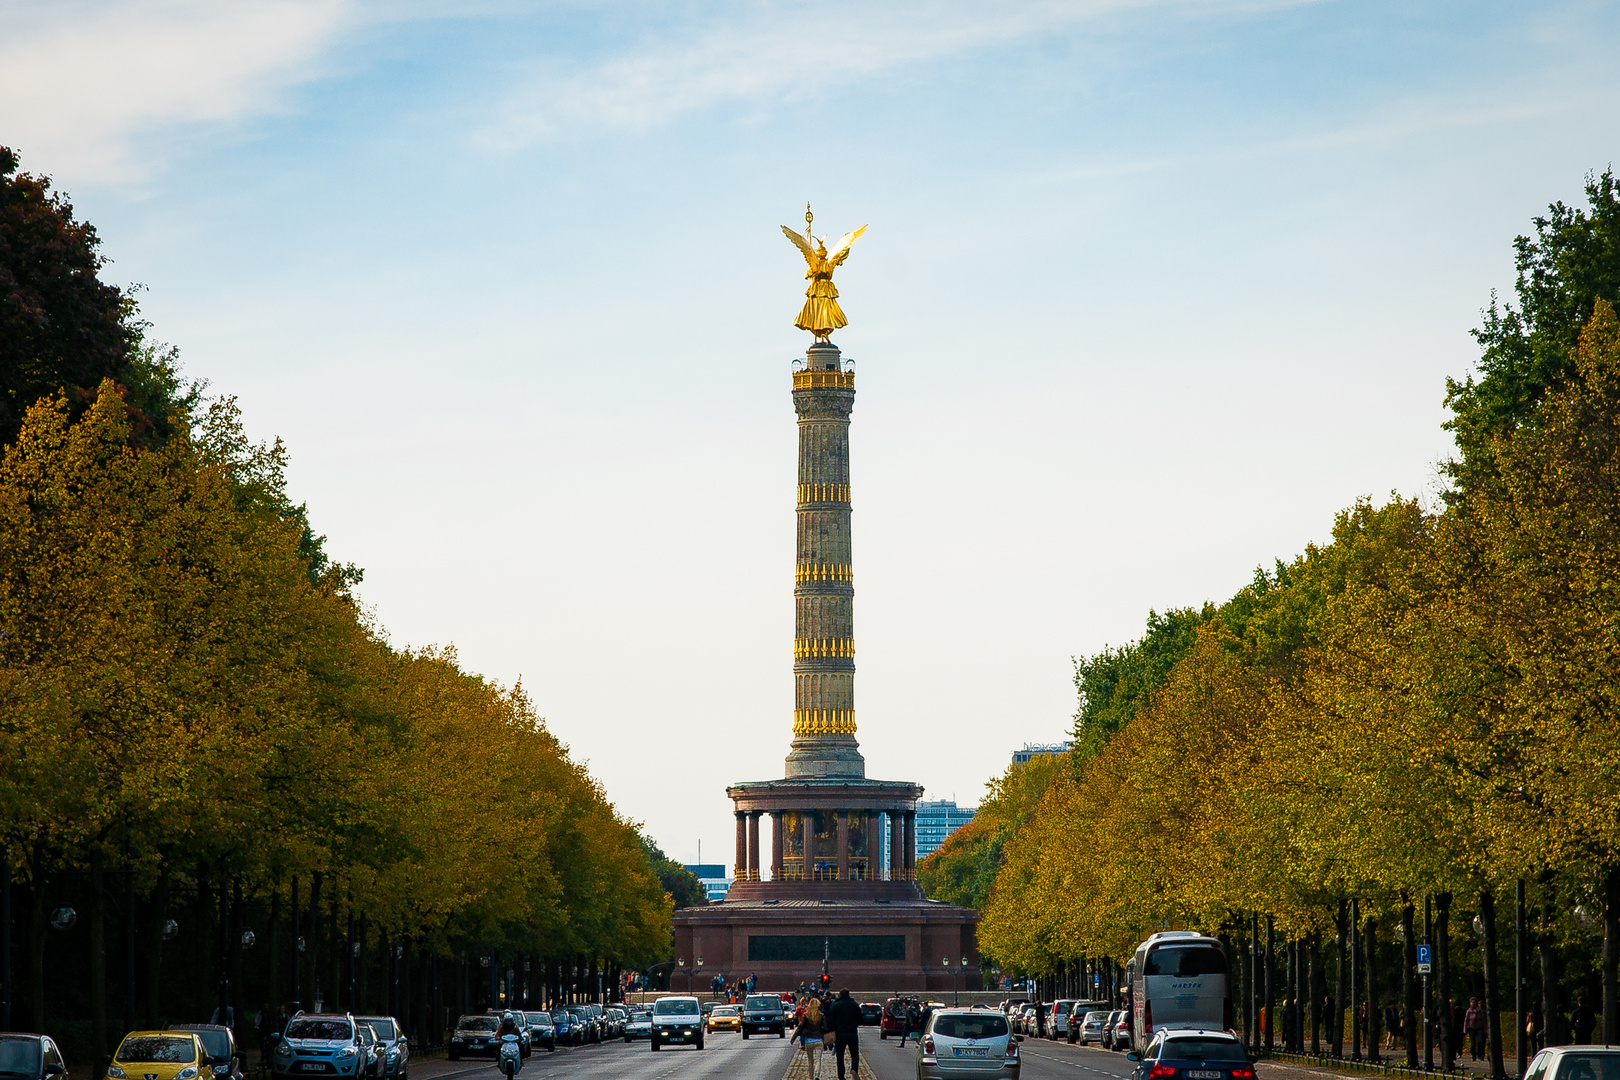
(680, 962)
(692, 974)
(956, 997)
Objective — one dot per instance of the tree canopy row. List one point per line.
(212, 752)
(1426, 706)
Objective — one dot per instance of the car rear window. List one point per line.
(1186, 961)
(725, 1010)
(19, 1056)
(1588, 1066)
(1199, 1048)
(539, 1018)
(383, 1026)
(956, 1026)
(157, 1048)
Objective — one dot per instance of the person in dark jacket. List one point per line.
(914, 1021)
(844, 1017)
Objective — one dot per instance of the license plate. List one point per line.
(313, 1066)
(1204, 1074)
(970, 1051)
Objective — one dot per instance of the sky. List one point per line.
(1151, 290)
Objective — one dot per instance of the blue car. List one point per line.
(569, 1030)
(1193, 1054)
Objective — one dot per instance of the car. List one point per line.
(567, 1026)
(474, 1036)
(319, 1044)
(616, 1017)
(1193, 1053)
(164, 1055)
(1575, 1063)
(725, 1018)
(542, 1032)
(30, 1057)
(969, 1042)
(1091, 1028)
(1059, 1026)
(598, 1019)
(396, 1048)
(589, 1030)
(219, 1043)
(1025, 1024)
(871, 1014)
(370, 1049)
(677, 1019)
(762, 1015)
(1118, 1035)
(639, 1026)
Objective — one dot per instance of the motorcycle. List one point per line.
(510, 1058)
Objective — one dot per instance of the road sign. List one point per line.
(1423, 959)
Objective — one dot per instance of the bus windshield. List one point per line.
(1186, 960)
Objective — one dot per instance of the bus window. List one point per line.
(1186, 961)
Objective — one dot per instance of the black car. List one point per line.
(30, 1057)
(220, 1045)
(1192, 1054)
(871, 1014)
(475, 1037)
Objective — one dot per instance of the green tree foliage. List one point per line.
(683, 887)
(1115, 684)
(1571, 262)
(61, 328)
(962, 870)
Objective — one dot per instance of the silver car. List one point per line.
(1575, 1063)
(1091, 1028)
(961, 1044)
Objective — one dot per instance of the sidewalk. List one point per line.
(1389, 1063)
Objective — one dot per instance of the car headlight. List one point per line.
(116, 1072)
(187, 1073)
(346, 1052)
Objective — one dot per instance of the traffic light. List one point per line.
(825, 980)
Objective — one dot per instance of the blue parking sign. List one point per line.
(1423, 964)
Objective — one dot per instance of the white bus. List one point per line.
(1178, 979)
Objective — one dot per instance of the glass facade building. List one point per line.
(938, 819)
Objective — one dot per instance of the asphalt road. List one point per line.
(724, 1057)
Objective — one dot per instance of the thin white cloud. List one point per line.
(82, 82)
(765, 52)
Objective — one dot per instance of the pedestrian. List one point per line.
(1393, 1026)
(1535, 1034)
(845, 1019)
(1288, 1024)
(913, 1021)
(809, 1032)
(1581, 1021)
(264, 1028)
(1474, 1026)
(1040, 1019)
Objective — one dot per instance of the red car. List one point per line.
(894, 1019)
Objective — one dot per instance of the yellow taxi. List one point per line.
(726, 1018)
(159, 1055)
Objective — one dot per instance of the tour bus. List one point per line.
(1178, 979)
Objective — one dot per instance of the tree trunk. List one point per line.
(1552, 1005)
(202, 937)
(157, 919)
(36, 951)
(1374, 1013)
(1357, 977)
(238, 1000)
(1409, 987)
(1317, 985)
(1269, 1008)
(1336, 1014)
(1487, 951)
(315, 928)
(1442, 966)
(272, 995)
(1611, 955)
(98, 962)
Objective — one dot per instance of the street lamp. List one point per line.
(64, 917)
(692, 973)
(1583, 917)
(248, 938)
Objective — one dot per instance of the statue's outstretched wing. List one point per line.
(838, 254)
(800, 243)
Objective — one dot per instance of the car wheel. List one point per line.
(700, 1042)
(745, 1033)
(655, 1045)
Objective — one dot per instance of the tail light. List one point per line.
(1243, 1072)
(1161, 1072)
(928, 1045)
(1012, 1049)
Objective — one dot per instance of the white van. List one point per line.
(1178, 979)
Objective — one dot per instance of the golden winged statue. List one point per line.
(821, 314)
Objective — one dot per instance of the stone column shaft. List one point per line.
(742, 847)
(897, 842)
(874, 846)
(843, 845)
(753, 846)
(824, 591)
(809, 844)
(776, 845)
(911, 844)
